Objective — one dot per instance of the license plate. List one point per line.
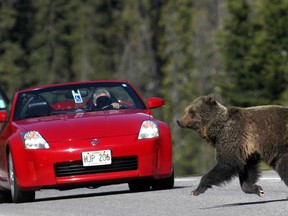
(97, 158)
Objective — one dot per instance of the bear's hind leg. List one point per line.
(252, 188)
(282, 168)
(249, 176)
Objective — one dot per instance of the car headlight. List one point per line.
(33, 140)
(149, 129)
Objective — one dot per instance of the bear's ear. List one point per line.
(210, 99)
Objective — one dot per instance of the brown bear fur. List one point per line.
(242, 138)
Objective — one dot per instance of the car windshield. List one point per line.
(75, 98)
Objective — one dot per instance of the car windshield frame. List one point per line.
(72, 98)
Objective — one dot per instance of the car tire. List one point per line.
(163, 184)
(18, 196)
(139, 185)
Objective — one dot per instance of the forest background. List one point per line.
(174, 49)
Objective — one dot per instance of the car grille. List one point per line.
(77, 168)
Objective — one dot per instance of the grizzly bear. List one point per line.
(242, 138)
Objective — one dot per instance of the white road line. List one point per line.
(270, 178)
(185, 179)
(196, 179)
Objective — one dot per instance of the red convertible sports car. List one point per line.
(81, 134)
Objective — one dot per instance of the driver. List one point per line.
(101, 99)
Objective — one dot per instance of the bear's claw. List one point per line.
(260, 193)
(259, 190)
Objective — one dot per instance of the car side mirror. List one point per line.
(3, 115)
(155, 102)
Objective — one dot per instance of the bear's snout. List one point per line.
(179, 123)
(192, 124)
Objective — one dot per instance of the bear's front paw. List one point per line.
(258, 189)
(198, 191)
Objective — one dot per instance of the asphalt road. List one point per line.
(118, 200)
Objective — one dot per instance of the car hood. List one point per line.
(86, 125)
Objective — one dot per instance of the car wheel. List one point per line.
(18, 196)
(139, 185)
(163, 184)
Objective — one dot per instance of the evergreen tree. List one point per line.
(180, 85)
(96, 30)
(268, 55)
(50, 57)
(11, 52)
(237, 41)
(254, 51)
(136, 54)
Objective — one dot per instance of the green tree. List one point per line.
(95, 38)
(136, 57)
(268, 54)
(180, 83)
(50, 56)
(237, 39)
(12, 59)
(254, 52)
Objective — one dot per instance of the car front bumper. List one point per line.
(61, 165)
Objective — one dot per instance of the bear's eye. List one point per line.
(191, 112)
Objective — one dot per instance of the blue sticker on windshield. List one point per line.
(77, 96)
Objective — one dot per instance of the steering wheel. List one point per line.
(25, 108)
(107, 107)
